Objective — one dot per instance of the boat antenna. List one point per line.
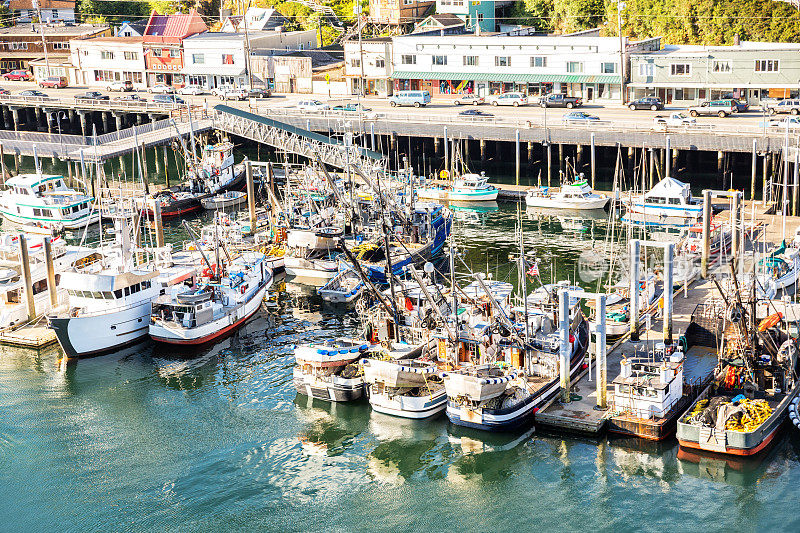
(196, 244)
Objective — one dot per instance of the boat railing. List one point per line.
(83, 313)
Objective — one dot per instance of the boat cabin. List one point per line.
(188, 309)
(34, 198)
(646, 388)
(471, 181)
(670, 191)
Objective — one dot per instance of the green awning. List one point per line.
(505, 77)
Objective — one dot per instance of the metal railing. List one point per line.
(102, 105)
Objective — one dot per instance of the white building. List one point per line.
(101, 60)
(584, 66)
(256, 19)
(377, 66)
(214, 59)
(52, 10)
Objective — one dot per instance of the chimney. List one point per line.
(736, 41)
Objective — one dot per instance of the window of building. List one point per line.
(538, 61)
(767, 65)
(408, 59)
(133, 77)
(439, 60)
(227, 59)
(380, 63)
(470, 61)
(680, 69)
(198, 59)
(131, 56)
(174, 52)
(608, 68)
(156, 52)
(226, 80)
(646, 70)
(198, 81)
(355, 63)
(721, 65)
(60, 45)
(574, 67)
(105, 54)
(502, 61)
(17, 46)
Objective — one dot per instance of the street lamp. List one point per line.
(620, 9)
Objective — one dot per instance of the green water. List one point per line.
(217, 441)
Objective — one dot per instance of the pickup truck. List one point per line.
(560, 100)
(672, 120)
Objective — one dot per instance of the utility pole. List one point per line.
(620, 8)
(247, 47)
(44, 43)
(360, 28)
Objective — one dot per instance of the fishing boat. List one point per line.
(45, 201)
(619, 301)
(407, 388)
(778, 271)
(668, 203)
(109, 304)
(213, 307)
(328, 371)
(342, 289)
(224, 200)
(743, 408)
(466, 188)
(312, 253)
(575, 196)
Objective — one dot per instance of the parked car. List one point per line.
(33, 92)
(190, 89)
(648, 102)
(515, 99)
(721, 108)
(741, 105)
(161, 88)
(560, 100)
(4, 91)
(130, 98)
(259, 92)
(227, 92)
(311, 105)
(792, 123)
(785, 106)
(672, 120)
(121, 86)
(54, 82)
(167, 99)
(92, 95)
(415, 98)
(578, 116)
(469, 99)
(17, 75)
(352, 107)
(475, 114)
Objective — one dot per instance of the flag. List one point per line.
(534, 270)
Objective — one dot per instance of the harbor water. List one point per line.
(218, 439)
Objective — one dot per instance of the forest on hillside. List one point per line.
(676, 21)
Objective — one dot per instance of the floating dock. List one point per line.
(33, 335)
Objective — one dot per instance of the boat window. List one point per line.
(57, 183)
(145, 284)
(675, 200)
(658, 200)
(118, 293)
(97, 295)
(37, 212)
(75, 208)
(107, 295)
(127, 291)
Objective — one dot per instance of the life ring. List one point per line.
(210, 272)
(243, 289)
(770, 321)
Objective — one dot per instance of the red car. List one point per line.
(17, 75)
(54, 82)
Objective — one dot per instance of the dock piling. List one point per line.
(735, 226)
(159, 224)
(549, 162)
(166, 165)
(634, 294)
(600, 363)
(753, 171)
(517, 157)
(706, 252)
(26, 276)
(564, 352)
(51, 272)
(251, 196)
(593, 161)
(669, 256)
(668, 158)
(372, 136)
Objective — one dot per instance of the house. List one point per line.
(163, 45)
(684, 75)
(256, 19)
(294, 72)
(22, 44)
(441, 24)
(477, 15)
(51, 10)
(215, 59)
(132, 28)
(375, 54)
(398, 12)
(103, 60)
(584, 66)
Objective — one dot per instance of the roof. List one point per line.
(174, 27)
(446, 19)
(54, 29)
(506, 77)
(668, 188)
(319, 58)
(370, 39)
(31, 180)
(136, 25)
(118, 40)
(16, 5)
(703, 51)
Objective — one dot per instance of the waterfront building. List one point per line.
(100, 61)
(21, 45)
(215, 59)
(51, 10)
(684, 75)
(257, 19)
(477, 15)
(300, 71)
(398, 12)
(583, 65)
(163, 45)
(370, 63)
(441, 24)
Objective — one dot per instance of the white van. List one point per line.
(415, 98)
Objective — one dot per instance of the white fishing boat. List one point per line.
(575, 196)
(224, 200)
(327, 371)
(213, 307)
(109, 304)
(407, 388)
(668, 203)
(312, 253)
(44, 201)
(342, 289)
(466, 188)
(618, 304)
(778, 271)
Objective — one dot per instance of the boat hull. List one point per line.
(587, 204)
(333, 389)
(77, 223)
(414, 407)
(650, 429)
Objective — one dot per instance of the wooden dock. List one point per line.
(34, 335)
